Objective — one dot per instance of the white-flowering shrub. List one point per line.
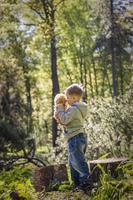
(110, 127)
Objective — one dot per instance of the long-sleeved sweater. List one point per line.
(73, 119)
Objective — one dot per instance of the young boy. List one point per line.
(73, 120)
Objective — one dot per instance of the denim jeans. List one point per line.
(76, 157)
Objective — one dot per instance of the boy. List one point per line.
(73, 120)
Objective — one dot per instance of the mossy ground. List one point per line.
(67, 195)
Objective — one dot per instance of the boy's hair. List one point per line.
(60, 99)
(75, 89)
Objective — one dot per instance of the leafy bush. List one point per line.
(18, 179)
(110, 127)
(120, 188)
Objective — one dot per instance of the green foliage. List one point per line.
(83, 33)
(120, 188)
(65, 186)
(18, 179)
(83, 55)
(110, 126)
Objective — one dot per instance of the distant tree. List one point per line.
(46, 10)
(114, 38)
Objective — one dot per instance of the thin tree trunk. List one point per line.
(55, 85)
(103, 82)
(81, 65)
(85, 76)
(121, 76)
(29, 100)
(91, 85)
(6, 100)
(54, 75)
(105, 75)
(95, 75)
(113, 56)
(49, 10)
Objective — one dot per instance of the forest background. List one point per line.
(45, 47)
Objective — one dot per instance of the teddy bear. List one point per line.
(60, 99)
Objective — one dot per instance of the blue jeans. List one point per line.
(76, 157)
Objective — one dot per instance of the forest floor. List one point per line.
(67, 195)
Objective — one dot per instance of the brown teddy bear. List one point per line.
(59, 99)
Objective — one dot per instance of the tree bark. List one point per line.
(85, 76)
(95, 74)
(55, 85)
(91, 85)
(54, 75)
(113, 56)
(29, 100)
(49, 10)
(121, 77)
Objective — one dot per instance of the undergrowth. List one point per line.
(120, 188)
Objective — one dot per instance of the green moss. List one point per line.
(64, 187)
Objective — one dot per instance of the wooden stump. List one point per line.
(46, 176)
(109, 164)
(14, 195)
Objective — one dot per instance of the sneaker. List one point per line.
(77, 188)
(86, 185)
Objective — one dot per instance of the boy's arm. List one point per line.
(65, 116)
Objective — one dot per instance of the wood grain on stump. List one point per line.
(46, 176)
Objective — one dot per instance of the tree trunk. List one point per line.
(113, 56)
(105, 76)
(49, 10)
(55, 84)
(95, 74)
(121, 77)
(103, 82)
(29, 100)
(91, 85)
(85, 76)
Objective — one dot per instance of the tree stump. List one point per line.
(44, 177)
(109, 164)
(14, 195)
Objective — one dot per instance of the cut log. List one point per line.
(44, 177)
(109, 164)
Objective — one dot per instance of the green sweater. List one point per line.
(73, 119)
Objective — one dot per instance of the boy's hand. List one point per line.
(56, 115)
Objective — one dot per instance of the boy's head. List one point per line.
(74, 93)
(60, 99)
